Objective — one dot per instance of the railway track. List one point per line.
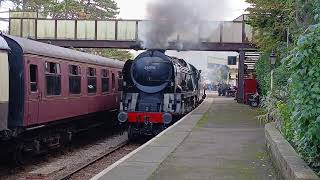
(65, 162)
(107, 153)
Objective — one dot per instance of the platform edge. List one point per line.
(285, 159)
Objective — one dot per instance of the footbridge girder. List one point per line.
(129, 34)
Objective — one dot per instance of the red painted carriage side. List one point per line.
(41, 108)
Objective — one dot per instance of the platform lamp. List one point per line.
(273, 59)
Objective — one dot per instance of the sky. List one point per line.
(136, 9)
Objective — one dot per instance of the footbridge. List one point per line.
(127, 34)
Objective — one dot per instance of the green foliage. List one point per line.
(118, 54)
(70, 9)
(287, 127)
(269, 103)
(270, 21)
(304, 101)
(273, 19)
(87, 9)
(280, 78)
(122, 55)
(295, 101)
(263, 73)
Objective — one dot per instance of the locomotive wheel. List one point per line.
(131, 135)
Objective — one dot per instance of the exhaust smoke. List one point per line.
(181, 21)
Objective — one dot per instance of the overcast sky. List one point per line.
(136, 9)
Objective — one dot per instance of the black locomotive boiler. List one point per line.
(156, 88)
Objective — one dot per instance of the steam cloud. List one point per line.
(172, 20)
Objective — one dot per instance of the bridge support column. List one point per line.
(240, 93)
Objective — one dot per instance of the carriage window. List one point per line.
(113, 79)
(53, 78)
(120, 81)
(92, 80)
(105, 80)
(33, 78)
(74, 79)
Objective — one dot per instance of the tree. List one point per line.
(100, 9)
(272, 20)
(84, 9)
(122, 55)
(70, 9)
(30, 5)
(77, 9)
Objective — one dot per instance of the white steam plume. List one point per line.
(180, 19)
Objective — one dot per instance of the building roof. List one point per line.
(34, 47)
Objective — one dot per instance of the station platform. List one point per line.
(221, 139)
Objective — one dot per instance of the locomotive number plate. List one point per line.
(150, 67)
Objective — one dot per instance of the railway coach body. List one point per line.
(4, 85)
(157, 88)
(46, 91)
(50, 83)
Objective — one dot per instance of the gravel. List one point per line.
(56, 164)
(103, 163)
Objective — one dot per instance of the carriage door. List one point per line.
(34, 95)
(114, 87)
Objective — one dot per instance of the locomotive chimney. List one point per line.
(160, 50)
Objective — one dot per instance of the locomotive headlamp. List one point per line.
(167, 118)
(122, 117)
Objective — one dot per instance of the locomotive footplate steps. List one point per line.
(219, 140)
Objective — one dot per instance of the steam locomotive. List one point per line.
(157, 88)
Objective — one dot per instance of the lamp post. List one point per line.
(272, 59)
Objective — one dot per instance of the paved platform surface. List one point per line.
(219, 140)
(227, 143)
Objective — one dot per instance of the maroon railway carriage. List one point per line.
(50, 84)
